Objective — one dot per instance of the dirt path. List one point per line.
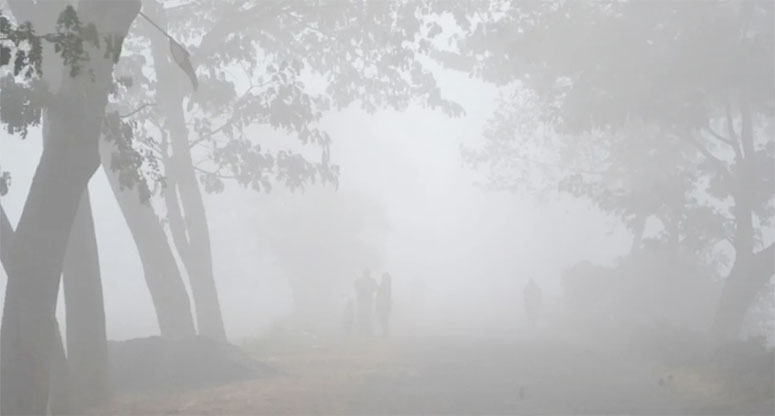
(443, 376)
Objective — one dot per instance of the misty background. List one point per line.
(465, 250)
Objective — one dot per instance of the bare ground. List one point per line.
(462, 375)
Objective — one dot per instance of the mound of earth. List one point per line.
(158, 363)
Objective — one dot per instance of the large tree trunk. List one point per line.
(169, 295)
(751, 271)
(68, 161)
(33, 273)
(87, 343)
(193, 238)
(59, 400)
(748, 277)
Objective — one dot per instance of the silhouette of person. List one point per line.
(365, 286)
(532, 302)
(384, 303)
(348, 318)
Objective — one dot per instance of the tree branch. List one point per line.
(212, 40)
(137, 110)
(216, 174)
(710, 156)
(723, 139)
(235, 114)
(731, 125)
(42, 15)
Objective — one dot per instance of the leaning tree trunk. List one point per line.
(68, 161)
(197, 256)
(87, 343)
(751, 270)
(169, 295)
(193, 238)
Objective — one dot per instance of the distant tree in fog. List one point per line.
(653, 110)
(323, 240)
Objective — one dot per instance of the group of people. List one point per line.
(370, 298)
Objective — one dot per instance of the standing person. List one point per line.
(384, 303)
(365, 287)
(532, 302)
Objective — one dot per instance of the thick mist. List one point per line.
(387, 207)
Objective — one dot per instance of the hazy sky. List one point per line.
(471, 249)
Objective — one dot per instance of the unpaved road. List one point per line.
(454, 376)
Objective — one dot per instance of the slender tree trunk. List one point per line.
(638, 228)
(194, 248)
(87, 343)
(68, 161)
(169, 295)
(197, 256)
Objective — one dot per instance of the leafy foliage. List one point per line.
(20, 104)
(24, 92)
(282, 66)
(637, 106)
(21, 45)
(5, 182)
(136, 166)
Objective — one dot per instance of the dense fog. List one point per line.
(387, 207)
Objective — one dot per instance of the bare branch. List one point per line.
(731, 125)
(214, 173)
(710, 156)
(137, 110)
(235, 114)
(725, 140)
